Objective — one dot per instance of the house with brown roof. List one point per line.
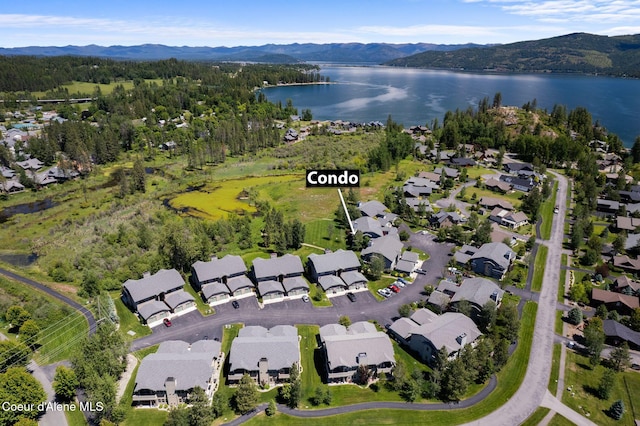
(491, 203)
(619, 302)
(626, 263)
(497, 186)
(629, 224)
(508, 218)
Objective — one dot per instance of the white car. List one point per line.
(305, 298)
(399, 284)
(384, 292)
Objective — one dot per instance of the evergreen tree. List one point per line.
(246, 397)
(620, 359)
(616, 411)
(607, 383)
(65, 383)
(200, 413)
(574, 316)
(138, 176)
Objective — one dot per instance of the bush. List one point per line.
(616, 411)
(574, 316)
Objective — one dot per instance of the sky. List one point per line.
(256, 22)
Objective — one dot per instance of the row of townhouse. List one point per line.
(267, 356)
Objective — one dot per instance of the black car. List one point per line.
(235, 304)
(351, 296)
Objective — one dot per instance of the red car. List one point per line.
(167, 322)
(394, 288)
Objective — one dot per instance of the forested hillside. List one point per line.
(578, 53)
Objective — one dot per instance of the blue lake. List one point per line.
(416, 96)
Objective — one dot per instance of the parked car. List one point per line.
(384, 292)
(394, 288)
(351, 296)
(556, 209)
(305, 298)
(421, 271)
(235, 304)
(403, 281)
(167, 322)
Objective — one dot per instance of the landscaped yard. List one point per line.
(546, 211)
(555, 368)
(583, 382)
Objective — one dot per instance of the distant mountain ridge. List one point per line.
(577, 53)
(275, 53)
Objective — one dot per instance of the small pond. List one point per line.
(26, 208)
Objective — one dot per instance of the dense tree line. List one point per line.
(30, 73)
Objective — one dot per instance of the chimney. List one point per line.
(462, 339)
(146, 274)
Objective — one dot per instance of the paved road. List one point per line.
(50, 417)
(533, 391)
(78, 307)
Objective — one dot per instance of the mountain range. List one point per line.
(571, 53)
(273, 53)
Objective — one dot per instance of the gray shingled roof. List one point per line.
(213, 289)
(190, 368)
(162, 281)
(360, 339)
(403, 327)
(270, 286)
(280, 348)
(239, 282)
(146, 309)
(388, 246)
(331, 262)
(330, 281)
(368, 225)
(495, 252)
(288, 264)
(615, 329)
(445, 330)
(372, 208)
(478, 291)
(411, 256)
(352, 277)
(405, 266)
(294, 283)
(216, 268)
(423, 316)
(177, 298)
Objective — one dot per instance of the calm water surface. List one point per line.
(415, 96)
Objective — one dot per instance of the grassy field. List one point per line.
(509, 380)
(129, 321)
(555, 369)
(218, 199)
(563, 278)
(559, 420)
(541, 260)
(584, 381)
(536, 417)
(324, 233)
(546, 211)
(308, 352)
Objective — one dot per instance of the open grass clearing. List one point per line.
(325, 233)
(129, 321)
(217, 200)
(537, 416)
(583, 382)
(540, 262)
(546, 211)
(555, 368)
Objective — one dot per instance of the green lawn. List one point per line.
(559, 324)
(324, 233)
(308, 352)
(383, 282)
(559, 420)
(536, 417)
(75, 418)
(318, 296)
(555, 368)
(563, 278)
(546, 211)
(541, 261)
(60, 340)
(583, 382)
(146, 417)
(129, 321)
